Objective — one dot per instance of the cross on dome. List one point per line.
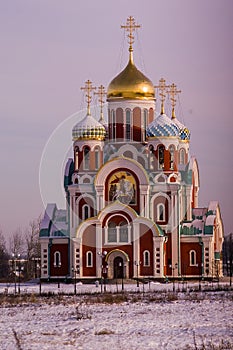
(130, 27)
(163, 89)
(88, 88)
(101, 93)
(173, 92)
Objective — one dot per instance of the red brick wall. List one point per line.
(146, 243)
(137, 132)
(89, 244)
(63, 269)
(120, 123)
(186, 269)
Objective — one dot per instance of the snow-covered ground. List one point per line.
(128, 325)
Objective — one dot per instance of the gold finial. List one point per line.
(88, 88)
(130, 27)
(162, 92)
(101, 93)
(173, 92)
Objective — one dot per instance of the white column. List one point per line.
(99, 245)
(174, 233)
(136, 247)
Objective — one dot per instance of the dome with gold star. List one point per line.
(131, 84)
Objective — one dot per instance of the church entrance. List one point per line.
(118, 267)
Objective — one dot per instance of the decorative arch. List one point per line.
(154, 203)
(89, 200)
(120, 163)
(82, 179)
(114, 254)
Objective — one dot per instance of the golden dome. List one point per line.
(131, 84)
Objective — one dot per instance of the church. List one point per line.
(131, 191)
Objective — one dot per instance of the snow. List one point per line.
(134, 324)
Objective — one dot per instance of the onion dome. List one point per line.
(184, 131)
(88, 129)
(131, 84)
(162, 126)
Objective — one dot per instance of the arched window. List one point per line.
(146, 258)
(86, 158)
(128, 125)
(57, 259)
(161, 212)
(112, 232)
(123, 231)
(89, 259)
(182, 156)
(86, 212)
(171, 153)
(97, 158)
(193, 258)
(113, 122)
(145, 122)
(151, 157)
(76, 155)
(161, 157)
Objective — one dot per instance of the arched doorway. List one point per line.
(118, 267)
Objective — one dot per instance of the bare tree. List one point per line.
(33, 247)
(4, 266)
(17, 243)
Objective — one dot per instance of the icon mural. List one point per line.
(122, 187)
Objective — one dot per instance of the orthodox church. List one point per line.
(131, 191)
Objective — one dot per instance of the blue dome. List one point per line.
(162, 126)
(184, 131)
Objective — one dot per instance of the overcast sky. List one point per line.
(49, 48)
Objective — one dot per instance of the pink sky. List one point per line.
(50, 48)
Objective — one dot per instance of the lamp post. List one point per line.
(137, 264)
(173, 277)
(102, 255)
(229, 263)
(200, 274)
(19, 270)
(39, 267)
(75, 287)
(122, 275)
(14, 260)
(14, 268)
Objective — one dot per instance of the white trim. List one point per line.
(144, 258)
(159, 205)
(91, 258)
(55, 259)
(194, 258)
(83, 211)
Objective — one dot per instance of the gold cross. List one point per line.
(88, 88)
(130, 27)
(173, 92)
(101, 93)
(162, 92)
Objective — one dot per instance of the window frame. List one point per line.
(57, 259)
(193, 258)
(89, 258)
(86, 158)
(159, 206)
(128, 121)
(146, 258)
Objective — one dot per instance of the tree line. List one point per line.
(22, 250)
